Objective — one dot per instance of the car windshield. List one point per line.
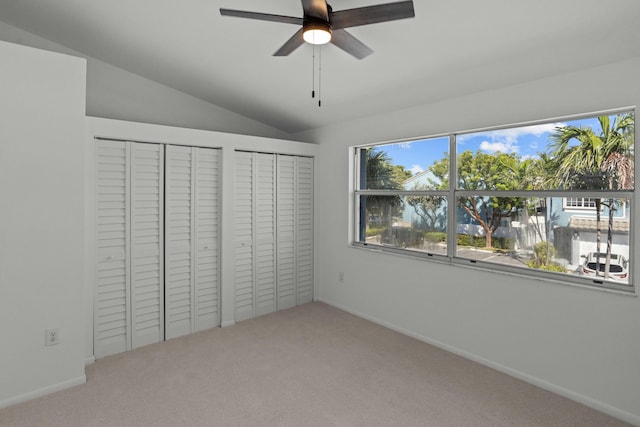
(613, 268)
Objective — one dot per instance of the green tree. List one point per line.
(484, 172)
(585, 159)
(380, 173)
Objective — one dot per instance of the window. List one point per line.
(579, 203)
(403, 204)
(531, 198)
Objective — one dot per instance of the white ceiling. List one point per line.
(451, 47)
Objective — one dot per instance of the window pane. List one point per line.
(580, 203)
(410, 222)
(405, 166)
(540, 233)
(587, 154)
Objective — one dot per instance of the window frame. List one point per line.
(453, 193)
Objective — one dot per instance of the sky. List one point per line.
(526, 141)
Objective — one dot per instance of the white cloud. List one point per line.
(503, 147)
(506, 140)
(405, 144)
(416, 169)
(512, 134)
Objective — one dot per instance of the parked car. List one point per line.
(618, 267)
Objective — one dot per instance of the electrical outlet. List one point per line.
(51, 336)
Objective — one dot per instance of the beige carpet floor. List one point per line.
(312, 365)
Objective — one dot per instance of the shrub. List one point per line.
(552, 266)
(435, 236)
(502, 243)
(374, 231)
(544, 252)
(475, 241)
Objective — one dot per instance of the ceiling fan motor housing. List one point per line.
(316, 31)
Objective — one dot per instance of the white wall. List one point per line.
(118, 94)
(41, 221)
(579, 342)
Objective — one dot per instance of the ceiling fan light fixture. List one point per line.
(316, 32)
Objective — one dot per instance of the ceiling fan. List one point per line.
(320, 24)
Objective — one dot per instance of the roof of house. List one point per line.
(591, 224)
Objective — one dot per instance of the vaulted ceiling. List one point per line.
(450, 48)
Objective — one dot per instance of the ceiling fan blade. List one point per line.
(290, 45)
(371, 14)
(350, 44)
(316, 9)
(261, 16)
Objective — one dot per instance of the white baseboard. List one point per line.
(554, 388)
(43, 391)
(228, 323)
(89, 360)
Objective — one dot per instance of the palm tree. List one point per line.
(601, 161)
(379, 173)
(529, 174)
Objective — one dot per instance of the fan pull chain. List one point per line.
(320, 76)
(313, 73)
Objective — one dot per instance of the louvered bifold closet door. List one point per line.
(304, 229)
(273, 221)
(191, 243)
(255, 228)
(111, 300)
(243, 232)
(179, 243)
(207, 220)
(286, 232)
(265, 233)
(147, 244)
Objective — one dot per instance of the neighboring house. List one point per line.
(574, 224)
